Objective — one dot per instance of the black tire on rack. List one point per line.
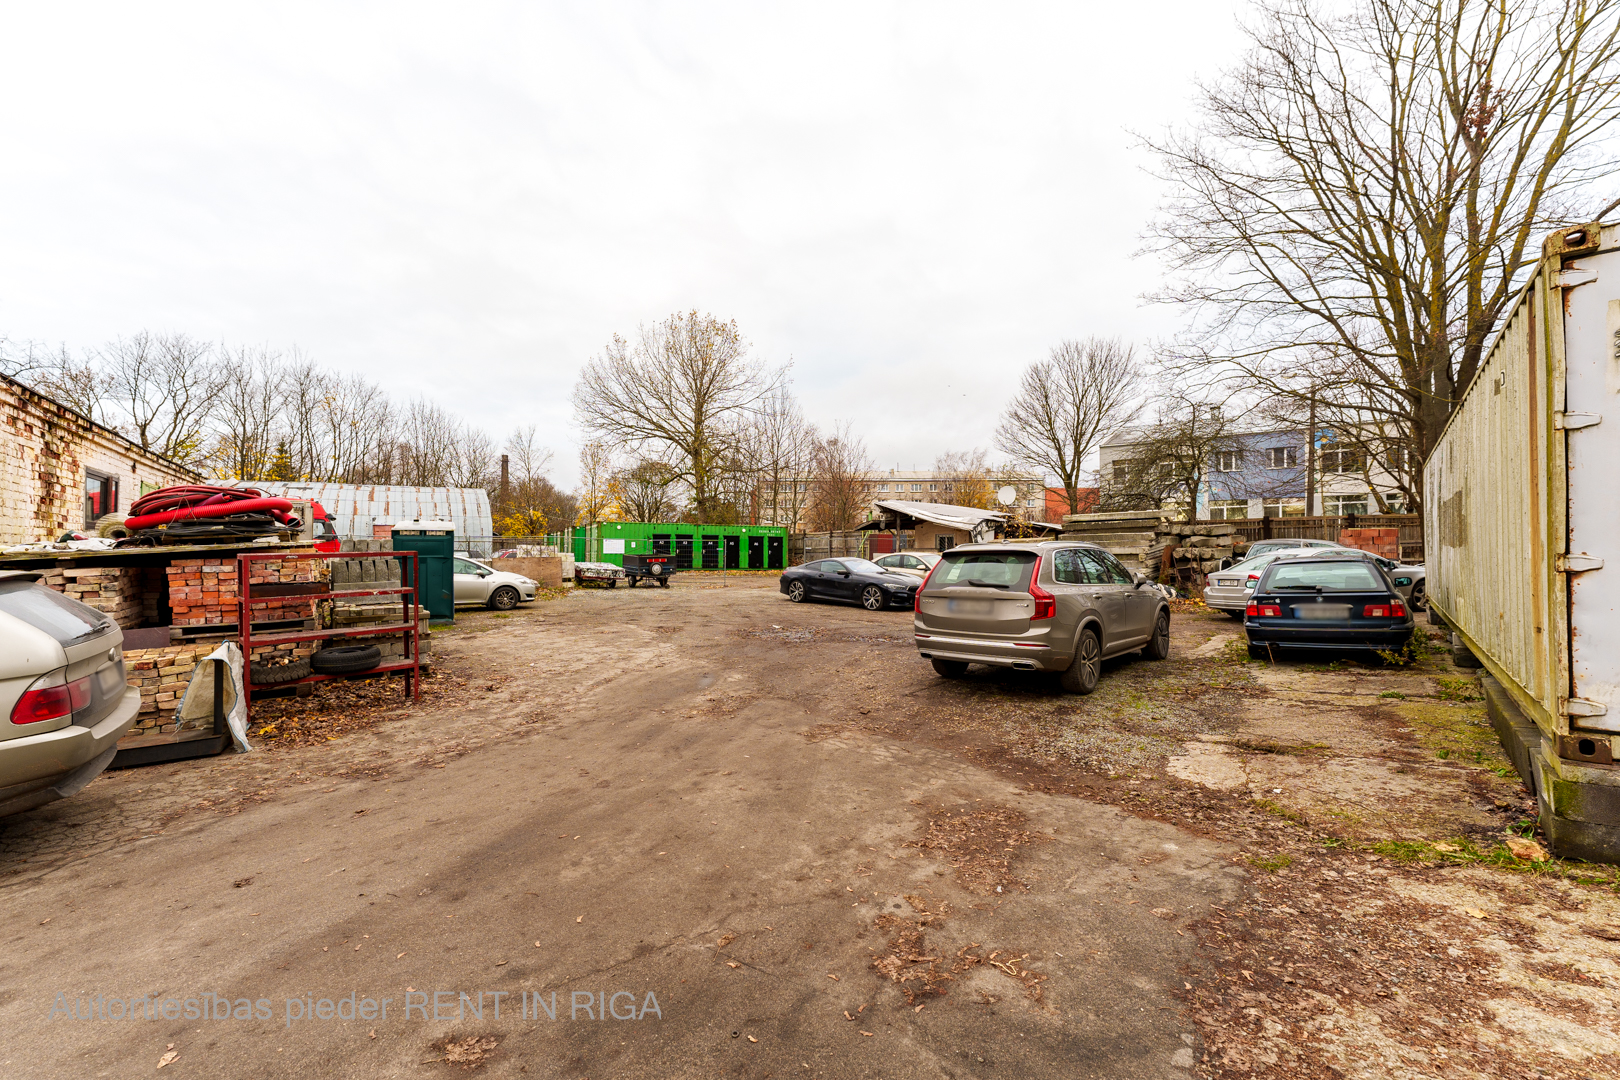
(346, 658)
(275, 674)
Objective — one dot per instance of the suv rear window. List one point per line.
(1329, 577)
(68, 621)
(999, 569)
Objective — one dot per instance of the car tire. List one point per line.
(1086, 668)
(346, 659)
(112, 527)
(1158, 646)
(276, 674)
(950, 669)
(663, 583)
(613, 583)
(1259, 652)
(504, 598)
(1420, 597)
(872, 598)
(795, 592)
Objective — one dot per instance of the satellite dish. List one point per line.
(1007, 495)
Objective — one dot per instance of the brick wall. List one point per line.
(1385, 542)
(45, 449)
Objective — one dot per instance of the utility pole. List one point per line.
(1310, 459)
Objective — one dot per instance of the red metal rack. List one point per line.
(410, 611)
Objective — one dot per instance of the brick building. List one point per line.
(60, 471)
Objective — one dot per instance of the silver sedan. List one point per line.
(1229, 590)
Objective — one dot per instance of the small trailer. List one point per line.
(659, 568)
(597, 573)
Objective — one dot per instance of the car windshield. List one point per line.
(1325, 576)
(861, 566)
(68, 621)
(996, 569)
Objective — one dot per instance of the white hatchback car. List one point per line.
(480, 584)
(63, 694)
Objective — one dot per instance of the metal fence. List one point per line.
(485, 547)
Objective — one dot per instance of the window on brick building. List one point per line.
(100, 496)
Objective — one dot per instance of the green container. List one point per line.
(435, 545)
(695, 547)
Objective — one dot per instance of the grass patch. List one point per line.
(1272, 863)
(1459, 690)
(1278, 810)
(1396, 694)
(1465, 852)
(1460, 733)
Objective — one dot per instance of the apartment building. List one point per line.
(1263, 474)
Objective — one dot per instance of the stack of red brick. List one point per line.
(1385, 542)
(203, 592)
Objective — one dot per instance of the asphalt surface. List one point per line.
(678, 830)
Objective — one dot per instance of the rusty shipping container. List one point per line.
(1522, 529)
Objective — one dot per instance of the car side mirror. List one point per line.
(1139, 578)
(843, 573)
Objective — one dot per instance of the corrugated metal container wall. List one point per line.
(355, 508)
(1486, 508)
(1520, 494)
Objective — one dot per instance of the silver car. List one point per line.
(63, 693)
(1265, 547)
(480, 584)
(915, 563)
(1044, 606)
(1229, 590)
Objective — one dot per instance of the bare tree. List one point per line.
(780, 443)
(595, 496)
(683, 393)
(528, 457)
(642, 492)
(246, 414)
(1358, 199)
(965, 478)
(1066, 404)
(840, 473)
(161, 389)
(75, 382)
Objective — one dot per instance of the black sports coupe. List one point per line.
(856, 581)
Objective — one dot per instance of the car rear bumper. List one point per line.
(37, 769)
(1227, 597)
(1024, 657)
(1296, 637)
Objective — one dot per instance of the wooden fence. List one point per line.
(1328, 528)
(802, 547)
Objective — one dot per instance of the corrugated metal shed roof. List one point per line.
(355, 508)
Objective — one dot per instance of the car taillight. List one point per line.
(916, 603)
(1045, 602)
(1396, 610)
(1263, 611)
(41, 703)
(1252, 579)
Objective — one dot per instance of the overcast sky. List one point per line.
(908, 201)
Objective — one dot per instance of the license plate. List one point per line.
(1226, 581)
(1322, 611)
(967, 607)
